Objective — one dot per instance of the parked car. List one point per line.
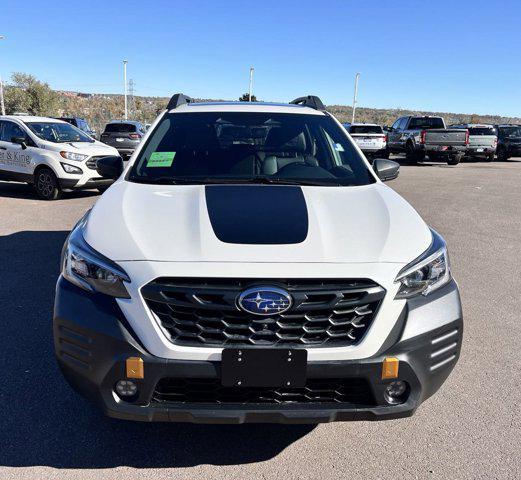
(370, 137)
(273, 278)
(50, 154)
(509, 141)
(417, 136)
(482, 140)
(80, 123)
(124, 135)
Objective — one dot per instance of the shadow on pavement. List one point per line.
(23, 190)
(43, 422)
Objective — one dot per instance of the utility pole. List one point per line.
(251, 84)
(125, 80)
(355, 97)
(2, 105)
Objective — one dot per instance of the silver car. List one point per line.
(482, 140)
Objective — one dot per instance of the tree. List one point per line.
(27, 94)
(246, 98)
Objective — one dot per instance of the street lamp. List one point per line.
(2, 105)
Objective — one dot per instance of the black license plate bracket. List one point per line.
(264, 367)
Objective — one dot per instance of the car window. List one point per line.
(11, 130)
(120, 128)
(58, 132)
(365, 129)
(481, 131)
(396, 124)
(234, 147)
(426, 123)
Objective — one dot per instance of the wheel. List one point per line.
(454, 159)
(502, 154)
(46, 184)
(412, 155)
(489, 157)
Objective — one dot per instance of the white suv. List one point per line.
(50, 154)
(251, 266)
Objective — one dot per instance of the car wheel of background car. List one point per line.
(502, 155)
(490, 157)
(46, 184)
(454, 159)
(411, 154)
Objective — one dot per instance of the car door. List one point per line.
(392, 135)
(15, 158)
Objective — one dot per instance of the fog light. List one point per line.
(396, 392)
(126, 389)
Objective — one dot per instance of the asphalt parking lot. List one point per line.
(470, 429)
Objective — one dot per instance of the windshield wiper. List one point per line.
(251, 180)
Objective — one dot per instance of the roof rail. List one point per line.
(311, 101)
(177, 100)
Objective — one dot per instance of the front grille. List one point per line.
(92, 162)
(354, 391)
(204, 312)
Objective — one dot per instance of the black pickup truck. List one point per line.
(418, 136)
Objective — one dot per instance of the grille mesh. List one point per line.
(353, 391)
(203, 312)
(92, 162)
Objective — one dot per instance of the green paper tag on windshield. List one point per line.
(161, 159)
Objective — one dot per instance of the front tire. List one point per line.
(46, 184)
(412, 155)
(489, 157)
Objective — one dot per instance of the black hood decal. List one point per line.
(257, 214)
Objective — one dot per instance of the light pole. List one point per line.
(2, 105)
(125, 80)
(251, 84)
(355, 97)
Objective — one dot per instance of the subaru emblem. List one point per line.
(264, 301)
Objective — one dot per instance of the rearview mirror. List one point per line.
(386, 169)
(19, 141)
(110, 167)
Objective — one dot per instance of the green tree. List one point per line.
(27, 94)
(246, 98)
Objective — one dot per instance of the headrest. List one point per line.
(284, 139)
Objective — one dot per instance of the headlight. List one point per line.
(78, 157)
(88, 269)
(427, 273)
(71, 168)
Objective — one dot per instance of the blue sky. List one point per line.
(459, 56)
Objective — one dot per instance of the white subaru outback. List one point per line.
(50, 154)
(251, 266)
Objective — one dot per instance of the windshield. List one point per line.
(238, 147)
(481, 131)
(365, 129)
(58, 132)
(426, 123)
(511, 131)
(120, 128)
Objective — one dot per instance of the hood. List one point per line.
(93, 149)
(255, 223)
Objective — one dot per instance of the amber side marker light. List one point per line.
(135, 367)
(390, 368)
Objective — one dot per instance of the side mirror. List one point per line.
(19, 141)
(386, 169)
(110, 167)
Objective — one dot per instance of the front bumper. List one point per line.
(93, 340)
(71, 183)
